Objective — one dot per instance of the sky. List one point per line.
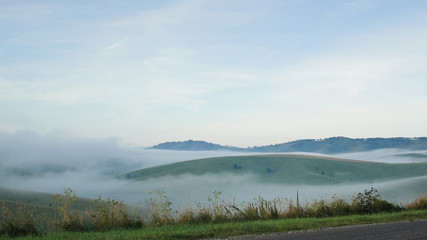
(237, 72)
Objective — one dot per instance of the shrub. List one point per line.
(338, 207)
(292, 210)
(186, 216)
(219, 208)
(419, 203)
(370, 202)
(204, 215)
(319, 209)
(250, 212)
(161, 208)
(259, 209)
(111, 214)
(363, 203)
(70, 220)
(381, 205)
(108, 214)
(17, 223)
(268, 209)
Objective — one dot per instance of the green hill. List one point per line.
(38, 203)
(287, 169)
(412, 155)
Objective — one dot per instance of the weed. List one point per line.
(18, 223)
(111, 214)
(318, 209)
(338, 207)
(363, 203)
(161, 207)
(70, 220)
(204, 215)
(65, 201)
(370, 202)
(220, 210)
(250, 212)
(420, 203)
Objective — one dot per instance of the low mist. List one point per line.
(50, 163)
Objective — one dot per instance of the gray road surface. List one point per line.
(414, 230)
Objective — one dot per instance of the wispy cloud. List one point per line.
(21, 11)
(116, 44)
(258, 70)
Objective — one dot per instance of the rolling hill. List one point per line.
(329, 145)
(38, 203)
(287, 169)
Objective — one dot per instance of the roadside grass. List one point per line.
(227, 229)
(419, 203)
(110, 219)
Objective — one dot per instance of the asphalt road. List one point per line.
(415, 230)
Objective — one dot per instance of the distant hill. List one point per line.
(329, 145)
(287, 169)
(191, 145)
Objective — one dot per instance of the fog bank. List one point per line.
(50, 163)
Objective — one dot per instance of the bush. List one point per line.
(363, 203)
(338, 207)
(186, 216)
(17, 223)
(161, 208)
(108, 214)
(370, 202)
(319, 209)
(112, 214)
(250, 212)
(419, 203)
(381, 205)
(204, 216)
(70, 220)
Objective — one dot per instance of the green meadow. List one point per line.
(288, 169)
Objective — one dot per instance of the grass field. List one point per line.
(222, 230)
(288, 169)
(413, 155)
(39, 204)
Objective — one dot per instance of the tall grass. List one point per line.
(19, 222)
(420, 203)
(111, 214)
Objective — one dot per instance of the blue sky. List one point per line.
(240, 73)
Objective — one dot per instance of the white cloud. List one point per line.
(28, 12)
(116, 44)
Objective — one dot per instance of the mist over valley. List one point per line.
(101, 167)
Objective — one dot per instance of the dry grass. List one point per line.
(19, 222)
(111, 214)
(419, 203)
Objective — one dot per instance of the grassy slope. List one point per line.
(412, 155)
(288, 169)
(27, 197)
(198, 231)
(37, 202)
